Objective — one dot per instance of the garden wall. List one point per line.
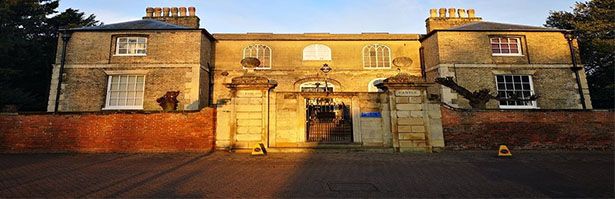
(528, 129)
(109, 132)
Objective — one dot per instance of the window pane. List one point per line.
(517, 78)
(501, 87)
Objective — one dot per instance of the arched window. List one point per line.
(371, 87)
(317, 52)
(376, 56)
(261, 52)
(316, 86)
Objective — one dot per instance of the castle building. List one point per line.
(304, 78)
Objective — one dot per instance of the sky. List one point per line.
(322, 16)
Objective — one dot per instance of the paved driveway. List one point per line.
(221, 174)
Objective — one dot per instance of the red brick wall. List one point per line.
(109, 132)
(528, 129)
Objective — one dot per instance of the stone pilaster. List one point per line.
(415, 119)
(248, 120)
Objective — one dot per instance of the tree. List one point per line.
(594, 24)
(28, 42)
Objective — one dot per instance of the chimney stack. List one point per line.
(452, 13)
(191, 11)
(182, 11)
(174, 15)
(174, 11)
(471, 13)
(433, 13)
(462, 13)
(455, 17)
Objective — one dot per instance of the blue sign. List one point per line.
(371, 114)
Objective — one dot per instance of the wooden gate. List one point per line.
(328, 121)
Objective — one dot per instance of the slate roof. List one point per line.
(486, 26)
(144, 24)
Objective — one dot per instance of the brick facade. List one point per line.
(109, 132)
(528, 129)
(176, 60)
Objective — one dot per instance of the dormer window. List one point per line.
(131, 46)
(506, 46)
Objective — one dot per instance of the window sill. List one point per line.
(269, 68)
(122, 108)
(131, 55)
(314, 60)
(377, 68)
(519, 107)
(507, 55)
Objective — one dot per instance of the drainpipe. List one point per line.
(65, 37)
(570, 37)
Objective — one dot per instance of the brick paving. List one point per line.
(222, 174)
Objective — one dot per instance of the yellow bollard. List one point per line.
(259, 149)
(504, 152)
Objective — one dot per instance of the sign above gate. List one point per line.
(249, 93)
(411, 93)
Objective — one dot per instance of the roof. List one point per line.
(143, 24)
(315, 36)
(493, 26)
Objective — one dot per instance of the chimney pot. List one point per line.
(452, 12)
(149, 12)
(182, 11)
(157, 12)
(471, 13)
(442, 12)
(433, 13)
(192, 11)
(166, 11)
(462, 13)
(174, 11)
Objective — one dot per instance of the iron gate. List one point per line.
(328, 121)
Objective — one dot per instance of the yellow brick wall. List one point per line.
(475, 48)
(162, 47)
(289, 69)
(175, 61)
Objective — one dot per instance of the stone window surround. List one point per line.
(516, 37)
(377, 46)
(111, 73)
(115, 47)
(257, 54)
(321, 52)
